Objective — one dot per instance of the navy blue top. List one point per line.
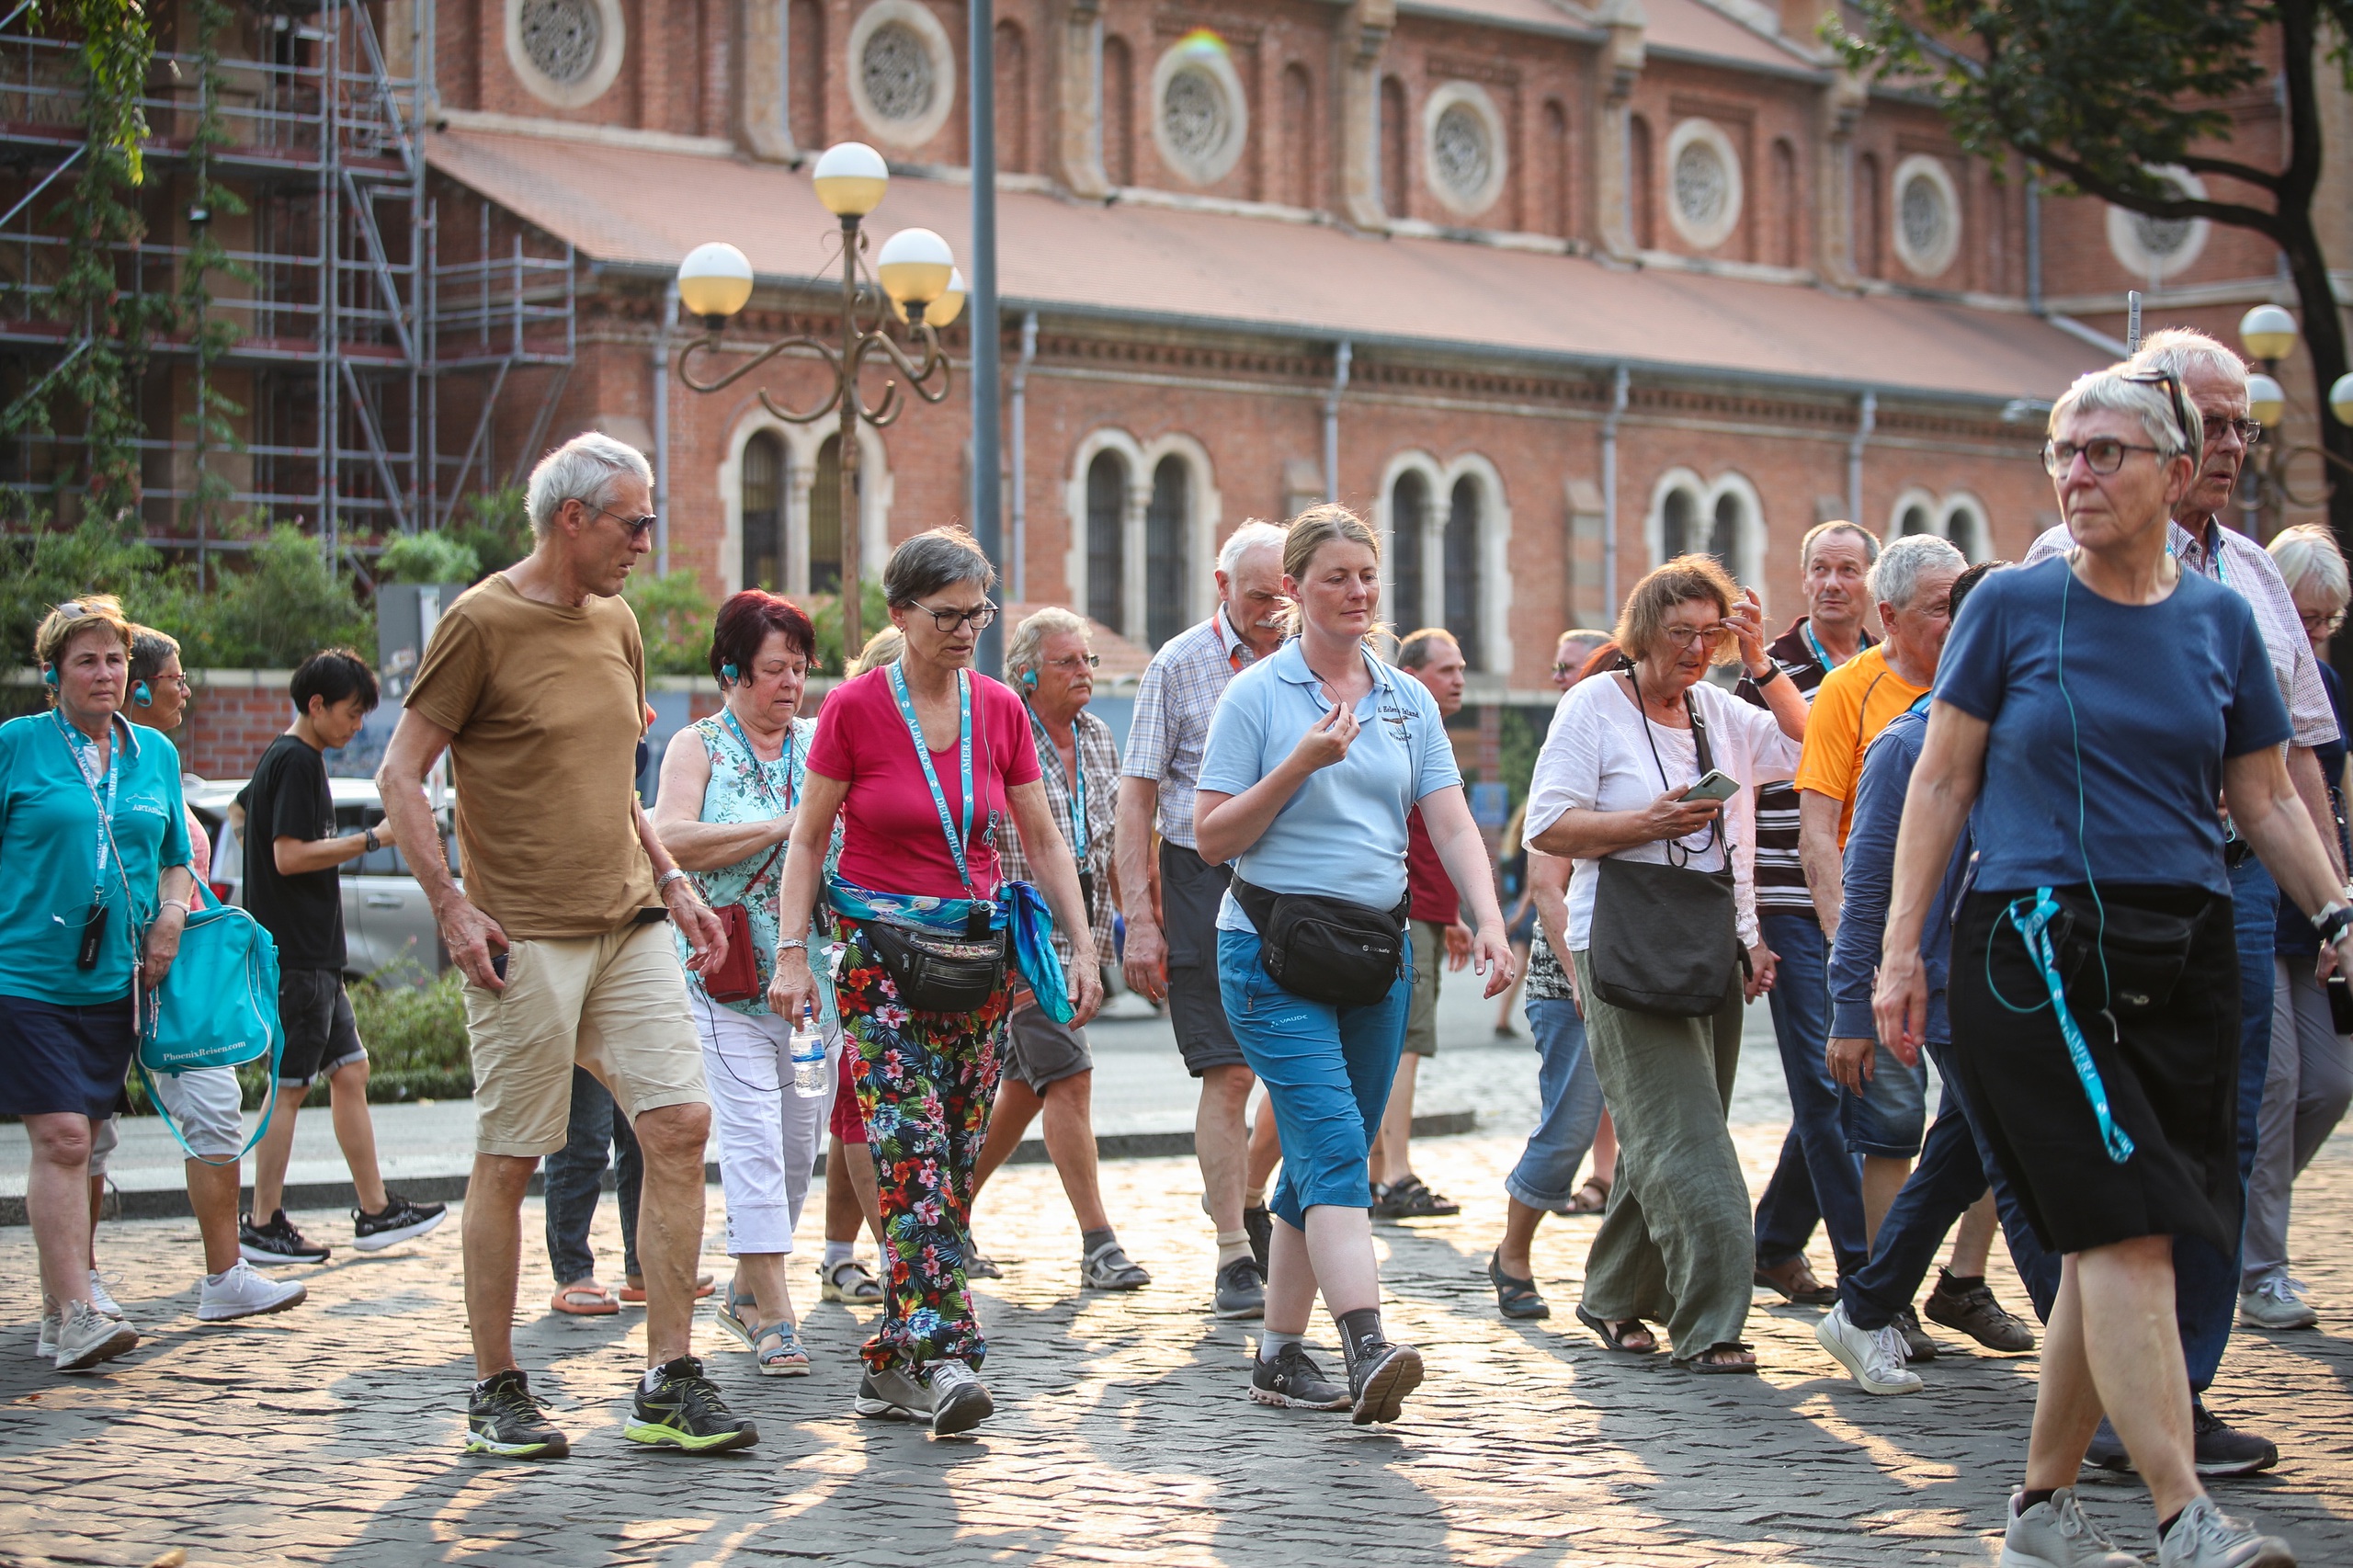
(1870, 882)
(2296, 934)
(2151, 698)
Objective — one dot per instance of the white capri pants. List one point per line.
(767, 1135)
(210, 1108)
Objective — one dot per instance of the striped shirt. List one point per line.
(1174, 704)
(1780, 875)
(1098, 767)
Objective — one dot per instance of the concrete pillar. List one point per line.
(761, 126)
(1078, 101)
(1620, 66)
(1834, 177)
(1586, 597)
(1363, 35)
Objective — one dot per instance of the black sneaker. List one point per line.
(1381, 1379)
(1241, 1289)
(1259, 1222)
(2106, 1451)
(277, 1241)
(1294, 1381)
(684, 1411)
(2222, 1450)
(1917, 1346)
(503, 1417)
(400, 1221)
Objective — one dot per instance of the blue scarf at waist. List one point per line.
(1018, 908)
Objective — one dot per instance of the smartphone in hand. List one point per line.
(1717, 785)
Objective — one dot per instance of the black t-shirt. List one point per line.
(289, 798)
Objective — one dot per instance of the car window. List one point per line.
(388, 861)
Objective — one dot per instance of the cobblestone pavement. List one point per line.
(330, 1435)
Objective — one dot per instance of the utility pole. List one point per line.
(988, 487)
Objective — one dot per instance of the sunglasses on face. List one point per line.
(638, 527)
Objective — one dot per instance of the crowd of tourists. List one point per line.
(2080, 849)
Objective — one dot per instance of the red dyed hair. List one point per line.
(744, 623)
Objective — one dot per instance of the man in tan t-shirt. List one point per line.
(534, 684)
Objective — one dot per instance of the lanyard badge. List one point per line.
(964, 758)
(94, 923)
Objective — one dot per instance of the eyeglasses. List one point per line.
(2103, 454)
(2322, 623)
(1560, 669)
(2250, 433)
(979, 617)
(1090, 661)
(638, 527)
(1684, 636)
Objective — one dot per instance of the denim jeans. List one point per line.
(576, 1174)
(1816, 1177)
(1571, 1095)
(1890, 1117)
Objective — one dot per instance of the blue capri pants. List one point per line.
(1327, 1072)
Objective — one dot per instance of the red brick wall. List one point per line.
(231, 718)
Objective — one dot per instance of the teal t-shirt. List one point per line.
(49, 855)
(1343, 835)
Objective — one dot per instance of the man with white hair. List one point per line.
(2209, 377)
(535, 685)
(1171, 939)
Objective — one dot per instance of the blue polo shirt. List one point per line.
(1343, 834)
(49, 838)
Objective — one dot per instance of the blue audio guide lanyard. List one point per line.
(74, 742)
(2033, 929)
(964, 760)
(1078, 786)
(1819, 655)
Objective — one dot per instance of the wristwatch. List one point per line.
(1772, 672)
(2331, 920)
(370, 840)
(662, 884)
(790, 942)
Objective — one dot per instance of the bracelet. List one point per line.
(792, 942)
(181, 904)
(663, 882)
(2332, 921)
(1772, 672)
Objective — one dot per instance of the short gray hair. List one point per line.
(1820, 532)
(2178, 349)
(1252, 535)
(1895, 576)
(582, 470)
(1415, 650)
(934, 560)
(2308, 552)
(1028, 641)
(2115, 391)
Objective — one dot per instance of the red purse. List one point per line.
(737, 977)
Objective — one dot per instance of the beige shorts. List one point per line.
(615, 1004)
(1421, 1014)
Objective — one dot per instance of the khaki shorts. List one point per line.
(1421, 1016)
(615, 1004)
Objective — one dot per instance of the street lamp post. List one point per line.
(2268, 335)
(917, 275)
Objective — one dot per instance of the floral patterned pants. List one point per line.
(925, 1083)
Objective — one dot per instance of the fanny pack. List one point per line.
(2143, 952)
(1326, 949)
(939, 972)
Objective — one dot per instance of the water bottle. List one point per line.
(809, 1079)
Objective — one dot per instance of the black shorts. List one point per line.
(2170, 1071)
(1191, 890)
(1042, 1052)
(321, 1036)
(58, 1059)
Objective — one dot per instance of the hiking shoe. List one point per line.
(277, 1242)
(2056, 1535)
(958, 1403)
(1968, 1307)
(893, 1395)
(244, 1291)
(1294, 1381)
(100, 1301)
(400, 1221)
(1917, 1346)
(1381, 1379)
(1241, 1289)
(1259, 1221)
(683, 1410)
(1407, 1199)
(849, 1282)
(1873, 1357)
(1107, 1267)
(2224, 1450)
(86, 1336)
(2278, 1303)
(503, 1417)
(2205, 1536)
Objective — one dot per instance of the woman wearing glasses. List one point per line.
(2088, 710)
(1611, 791)
(922, 760)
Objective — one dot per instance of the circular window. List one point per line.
(902, 72)
(1927, 215)
(1199, 113)
(1703, 174)
(2158, 247)
(565, 52)
(1464, 147)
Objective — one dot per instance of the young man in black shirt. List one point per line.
(292, 888)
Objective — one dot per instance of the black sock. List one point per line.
(2033, 1494)
(1089, 1240)
(1358, 1329)
(2165, 1527)
(1962, 1282)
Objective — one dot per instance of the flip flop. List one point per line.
(1516, 1299)
(634, 1295)
(1616, 1341)
(584, 1298)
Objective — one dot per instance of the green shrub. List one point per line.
(825, 614)
(494, 526)
(429, 558)
(675, 618)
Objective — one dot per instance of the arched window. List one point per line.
(1915, 520)
(1642, 184)
(1679, 531)
(1965, 526)
(1299, 137)
(1869, 222)
(1012, 99)
(1395, 143)
(1107, 505)
(804, 38)
(1119, 130)
(1789, 220)
(1166, 523)
(825, 521)
(1462, 567)
(1409, 505)
(763, 509)
(1723, 539)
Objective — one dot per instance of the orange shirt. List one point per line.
(1851, 706)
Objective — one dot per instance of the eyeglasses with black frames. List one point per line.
(979, 617)
(2103, 454)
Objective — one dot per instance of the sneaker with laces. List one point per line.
(2205, 1536)
(244, 1291)
(1379, 1378)
(503, 1417)
(86, 1336)
(959, 1402)
(46, 1345)
(2055, 1534)
(399, 1221)
(1874, 1357)
(1967, 1306)
(277, 1242)
(2222, 1450)
(2276, 1303)
(1241, 1289)
(1294, 1381)
(1108, 1267)
(892, 1395)
(100, 1300)
(683, 1410)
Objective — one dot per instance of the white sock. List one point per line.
(839, 1252)
(1270, 1344)
(1232, 1244)
(216, 1279)
(652, 1377)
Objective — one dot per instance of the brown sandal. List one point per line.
(1593, 1198)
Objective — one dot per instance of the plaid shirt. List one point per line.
(1174, 703)
(1098, 767)
(2240, 563)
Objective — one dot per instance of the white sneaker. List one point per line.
(1874, 1356)
(46, 1345)
(86, 1336)
(2056, 1535)
(958, 1403)
(102, 1302)
(244, 1291)
(2205, 1536)
(893, 1395)
(2278, 1303)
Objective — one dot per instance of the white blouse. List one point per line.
(1596, 758)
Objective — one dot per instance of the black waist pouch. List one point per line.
(1326, 949)
(938, 971)
(2143, 950)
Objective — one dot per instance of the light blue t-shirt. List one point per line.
(49, 839)
(1343, 835)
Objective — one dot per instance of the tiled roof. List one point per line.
(1691, 28)
(633, 206)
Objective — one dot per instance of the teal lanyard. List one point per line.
(1077, 783)
(1819, 656)
(74, 742)
(759, 769)
(2033, 929)
(963, 761)
(2214, 554)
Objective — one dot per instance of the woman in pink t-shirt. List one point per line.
(921, 760)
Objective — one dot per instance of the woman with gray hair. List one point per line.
(923, 759)
(2087, 712)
